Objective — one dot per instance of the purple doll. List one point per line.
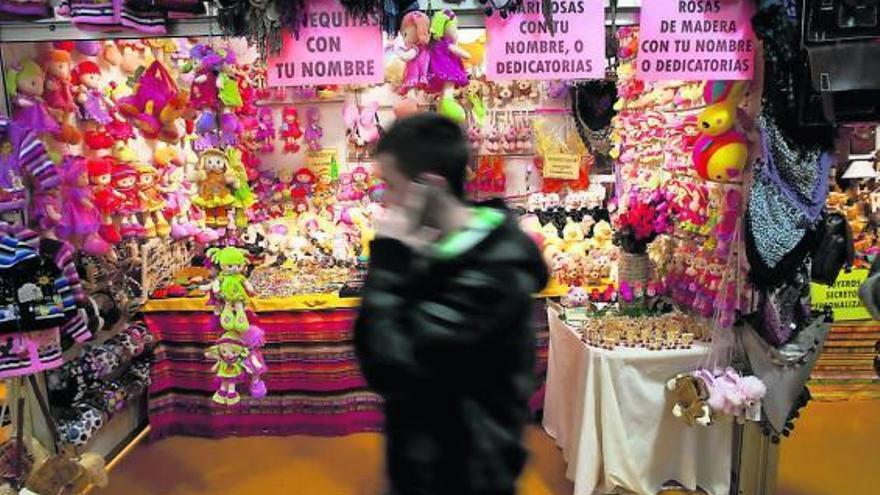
(206, 128)
(79, 222)
(313, 132)
(446, 66)
(266, 130)
(26, 85)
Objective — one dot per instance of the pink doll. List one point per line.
(359, 178)
(291, 131)
(125, 182)
(415, 31)
(363, 126)
(475, 137)
(726, 227)
(493, 142)
(446, 66)
(230, 129)
(509, 140)
(152, 202)
(178, 191)
(346, 191)
(523, 138)
(314, 132)
(79, 222)
(254, 339)
(26, 86)
(86, 77)
(58, 95)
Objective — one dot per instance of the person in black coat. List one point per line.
(445, 331)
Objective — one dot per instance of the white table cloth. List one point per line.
(610, 414)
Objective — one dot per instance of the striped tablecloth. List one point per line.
(315, 386)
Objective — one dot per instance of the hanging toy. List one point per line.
(216, 183)
(58, 94)
(363, 128)
(231, 287)
(314, 131)
(415, 52)
(125, 183)
(720, 154)
(265, 130)
(230, 355)
(291, 131)
(446, 67)
(156, 104)
(26, 85)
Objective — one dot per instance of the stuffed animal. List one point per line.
(691, 395)
(721, 152)
(231, 287)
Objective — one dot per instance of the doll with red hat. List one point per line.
(106, 198)
(125, 182)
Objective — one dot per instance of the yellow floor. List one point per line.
(835, 450)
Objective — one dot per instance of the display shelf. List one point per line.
(63, 29)
(305, 302)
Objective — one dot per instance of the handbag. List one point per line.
(834, 249)
(784, 370)
(841, 41)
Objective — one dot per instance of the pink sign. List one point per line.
(522, 46)
(333, 47)
(693, 40)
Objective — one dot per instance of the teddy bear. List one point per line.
(502, 93)
(691, 395)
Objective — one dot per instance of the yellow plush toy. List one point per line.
(720, 154)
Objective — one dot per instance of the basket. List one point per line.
(634, 268)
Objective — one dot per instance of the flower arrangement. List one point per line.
(644, 218)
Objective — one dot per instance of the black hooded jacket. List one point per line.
(451, 340)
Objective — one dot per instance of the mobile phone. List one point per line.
(422, 199)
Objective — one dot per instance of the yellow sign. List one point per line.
(563, 166)
(319, 161)
(843, 296)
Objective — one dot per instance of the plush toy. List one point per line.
(314, 132)
(231, 287)
(446, 66)
(125, 183)
(602, 236)
(265, 134)
(242, 194)
(230, 355)
(362, 127)
(576, 297)
(725, 230)
(690, 394)
(416, 53)
(215, 185)
(26, 85)
(107, 199)
(58, 94)
(721, 152)
(152, 202)
(156, 104)
(178, 191)
(254, 364)
(80, 220)
(290, 131)
(86, 77)
(502, 93)
(573, 238)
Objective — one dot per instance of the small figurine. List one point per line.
(231, 287)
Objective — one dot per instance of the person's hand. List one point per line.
(400, 224)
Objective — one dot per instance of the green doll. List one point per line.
(231, 287)
(229, 354)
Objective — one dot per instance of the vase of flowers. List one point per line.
(642, 219)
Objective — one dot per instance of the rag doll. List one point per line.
(152, 203)
(230, 355)
(446, 67)
(80, 220)
(178, 191)
(254, 339)
(266, 130)
(106, 198)
(359, 180)
(26, 85)
(291, 131)
(58, 95)
(416, 34)
(215, 185)
(125, 182)
(243, 196)
(93, 107)
(304, 181)
(314, 132)
(231, 287)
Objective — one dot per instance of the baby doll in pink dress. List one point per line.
(415, 31)
(79, 221)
